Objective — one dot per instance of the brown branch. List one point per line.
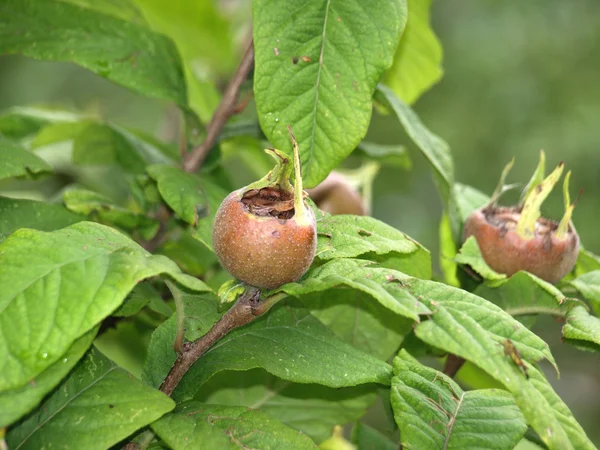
(453, 365)
(226, 109)
(244, 311)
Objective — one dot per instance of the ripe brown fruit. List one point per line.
(504, 250)
(517, 238)
(265, 234)
(336, 196)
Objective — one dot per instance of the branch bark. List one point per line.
(226, 109)
(241, 313)
(453, 365)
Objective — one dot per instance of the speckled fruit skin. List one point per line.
(506, 252)
(264, 252)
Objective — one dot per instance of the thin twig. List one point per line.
(453, 365)
(241, 313)
(226, 109)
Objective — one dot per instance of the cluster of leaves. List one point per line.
(72, 264)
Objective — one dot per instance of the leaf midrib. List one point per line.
(318, 82)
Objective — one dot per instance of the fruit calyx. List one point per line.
(274, 195)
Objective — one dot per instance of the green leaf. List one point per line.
(310, 408)
(367, 438)
(356, 319)
(124, 9)
(432, 411)
(190, 254)
(317, 65)
(20, 213)
(385, 285)
(469, 199)
(347, 236)
(474, 329)
(202, 34)
(140, 296)
(121, 51)
(290, 344)
(56, 286)
(417, 62)
(196, 425)
(15, 161)
(200, 314)
(215, 194)
(22, 122)
(586, 262)
(469, 254)
(448, 252)
(387, 155)
(97, 406)
(103, 210)
(433, 148)
(582, 328)
(17, 402)
(181, 190)
(525, 294)
(589, 286)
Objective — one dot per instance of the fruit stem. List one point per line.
(536, 178)
(300, 213)
(531, 208)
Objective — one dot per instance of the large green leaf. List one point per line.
(15, 161)
(417, 62)
(432, 411)
(310, 408)
(56, 286)
(589, 286)
(119, 50)
(582, 328)
(19, 401)
(288, 342)
(474, 329)
(103, 210)
(97, 406)
(384, 285)
(433, 148)
(196, 425)
(347, 236)
(317, 65)
(19, 213)
(354, 317)
(181, 190)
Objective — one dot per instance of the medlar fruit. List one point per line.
(517, 238)
(265, 234)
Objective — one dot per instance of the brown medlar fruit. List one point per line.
(265, 234)
(517, 238)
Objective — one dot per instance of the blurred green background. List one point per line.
(519, 76)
